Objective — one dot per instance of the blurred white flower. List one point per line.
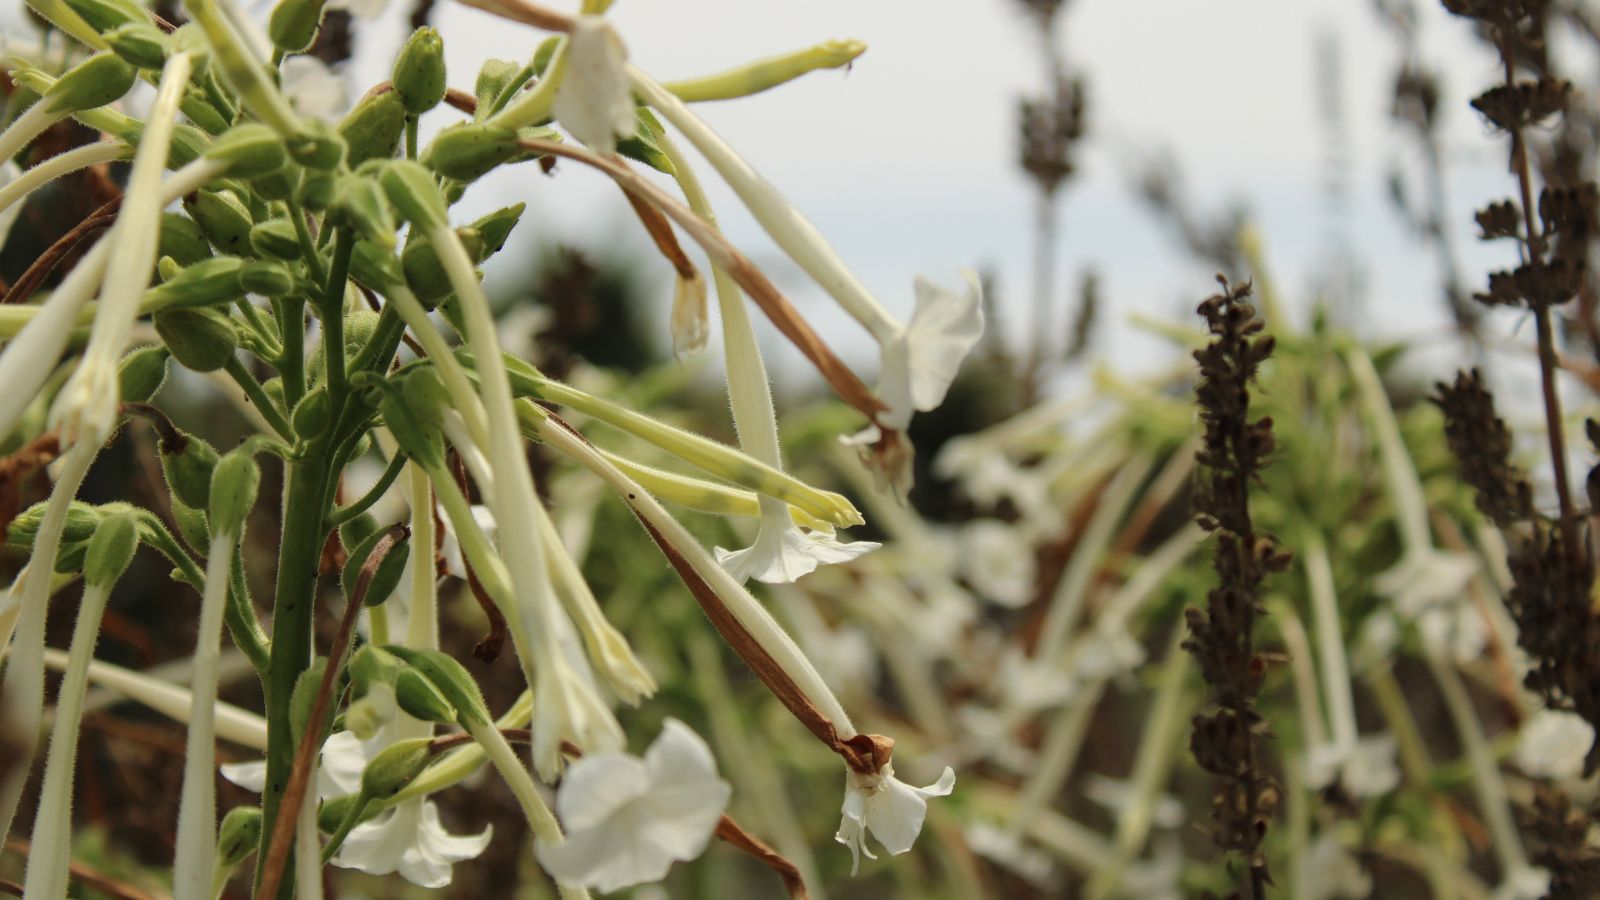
(1157, 876)
(988, 476)
(1331, 872)
(891, 809)
(1116, 795)
(998, 562)
(1553, 743)
(1001, 846)
(1107, 651)
(1364, 769)
(314, 90)
(594, 101)
(1456, 630)
(1028, 685)
(1425, 578)
(454, 563)
(629, 819)
(1376, 638)
(1524, 883)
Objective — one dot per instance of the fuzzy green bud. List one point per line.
(293, 24)
(495, 228)
(249, 150)
(214, 279)
(275, 238)
(266, 278)
(395, 766)
(106, 15)
(223, 219)
(279, 185)
(469, 150)
(182, 239)
(372, 130)
(424, 273)
(234, 484)
(101, 79)
(494, 78)
(414, 194)
(200, 339)
(451, 678)
(371, 666)
(192, 526)
(423, 444)
(140, 45)
(111, 550)
(304, 697)
(317, 146)
(385, 578)
(312, 414)
(356, 530)
(188, 464)
(374, 266)
(360, 205)
(317, 190)
(419, 76)
(142, 372)
(333, 812)
(238, 835)
(420, 699)
(80, 524)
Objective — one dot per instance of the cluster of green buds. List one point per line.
(286, 259)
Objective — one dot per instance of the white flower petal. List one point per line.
(998, 562)
(597, 786)
(410, 840)
(920, 362)
(1553, 744)
(313, 89)
(783, 554)
(250, 775)
(895, 814)
(594, 101)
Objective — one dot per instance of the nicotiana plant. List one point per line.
(318, 272)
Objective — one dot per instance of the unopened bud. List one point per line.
(293, 24)
(372, 666)
(304, 697)
(188, 468)
(360, 205)
(419, 76)
(414, 194)
(374, 266)
(317, 146)
(111, 550)
(372, 130)
(451, 678)
(276, 238)
(469, 150)
(142, 372)
(250, 150)
(266, 278)
(79, 526)
(234, 484)
(495, 228)
(494, 78)
(203, 340)
(140, 45)
(182, 239)
(223, 219)
(420, 699)
(423, 444)
(312, 414)
(395, 766)
(333, 812)
(106, 15)
(317, 190)
(280, 185)
(238, 835)
(192, 526)
(101, 79)
(424, 273)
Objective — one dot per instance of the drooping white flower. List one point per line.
(998, 562)
(313, 89)
(629, 819)
(921, 360)
(1331, 872)
(782, 553)
(1364, 769)
(888, 807)
(594, 101)
(1553, 743)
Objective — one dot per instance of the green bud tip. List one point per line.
(111, 550)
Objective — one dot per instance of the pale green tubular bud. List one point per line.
(371, 666)
(111, 550)
(451, 678)
(223, 219)
(279, 185)
(107, 15)
(217, 280)
(293, 25)
(414, 194)
(469, 150)
(249, 150)
(419, 74)
(420, 699)
(753, 78)
(395, 766)
(81, 522)
(234, 486)
(375, 267)
(142, 372)
(202, 340)
(266, 278)
(140, 45)
(361, 206)
(238, 835)
(372, 130)
(424, 273)
(101, 79)
(182, 240)
(275, 238)
(243, 72)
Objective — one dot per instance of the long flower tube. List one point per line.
(232, 723)
(35, 177)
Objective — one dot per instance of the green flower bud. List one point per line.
(304, 696)
(312, 414)
(395, 766)
(353, 531)
(212, 280)
(111, 550)
(279, 185)
(238, 835)
(451, 678)
(333, 812)
(81, 522)
(496, 227)
(101, 79)
(423, 444)
(419, 76)
(293, 24)
(192, 526)
(182, 239)
(269, 279)
(543, 54)
(234, 484)
(493, 80)
(202, 340)
(222, 217)
(69, 559)
(414, 194)
(106, 15)
(249, 149)
(388, 574)
(317, 190)
(424, 273)
(360, 205)
(275, 238)
(140, 45)
(372, 130)
(419, 699)
(188, 142)
(469, 150)
(317, 146)
(359, 327)
(375, 267)
(371, 666)
(188, 464)
(642, 145)
(142, 372)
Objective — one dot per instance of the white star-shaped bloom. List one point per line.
(998, 562)
(783, 553)
(594, 101)
(888, 807)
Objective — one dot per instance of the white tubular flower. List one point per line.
(891, 809)
(1001, 846)
(1552, 744)
(998, 562)
(1364, 769)
(411, 840)
(314, 90)
(594, 101)
(921, 359)
(690, 326)
(629, 819)
(783, 553)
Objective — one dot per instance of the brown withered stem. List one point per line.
(1222, 636)
(1560, 833)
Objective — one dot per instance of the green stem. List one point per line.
(252, 389)
(333, 360)
(385, 481)
(240, 617)
(411, 137)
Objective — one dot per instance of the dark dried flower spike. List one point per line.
(1234, 451)
(1482, 446)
